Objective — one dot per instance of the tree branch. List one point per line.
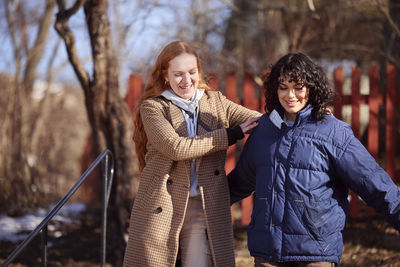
(44, 105)
(12, 30)
(311, 5)
(19, 10)
(67, 13)
(36, 53)
(61, 26)
(231, 5)
(387, 15)
(362, 48)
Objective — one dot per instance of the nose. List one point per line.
(186, 78)
(292, 93)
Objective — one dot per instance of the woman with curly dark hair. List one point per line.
(300, 69)
(301, 163)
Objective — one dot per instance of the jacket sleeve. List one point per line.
(242, 179)
(236, 114)
(163, 136)
(362, 174)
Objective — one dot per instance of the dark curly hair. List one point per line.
(299, 68)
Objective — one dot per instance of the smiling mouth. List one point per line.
(292, 103)
(186, 87)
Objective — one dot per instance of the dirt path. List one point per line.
(367, 242)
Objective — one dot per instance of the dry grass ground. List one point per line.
(367, 242)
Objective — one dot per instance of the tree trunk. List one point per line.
(108, 114)
(21, 120)
(111, 123)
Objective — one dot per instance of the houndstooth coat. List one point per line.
(160, 205)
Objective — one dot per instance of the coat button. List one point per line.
(169, 182)
(216, 172)
(159, 210)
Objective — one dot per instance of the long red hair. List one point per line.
(155, 86)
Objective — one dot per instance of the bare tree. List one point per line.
(109, 116)
(20, 115)
(324, 29)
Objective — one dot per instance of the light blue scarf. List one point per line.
(190, 111)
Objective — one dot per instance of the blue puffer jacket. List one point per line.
(301, 176)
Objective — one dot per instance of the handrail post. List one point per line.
(44, 246)
(105, 194)
(108, 173)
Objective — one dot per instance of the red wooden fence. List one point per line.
(375, 99)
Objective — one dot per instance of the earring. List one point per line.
(166, 81)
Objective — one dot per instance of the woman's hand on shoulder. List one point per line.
(249, 124)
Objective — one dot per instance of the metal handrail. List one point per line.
(108, 173)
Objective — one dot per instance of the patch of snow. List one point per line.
(57, 234)
(15, 229)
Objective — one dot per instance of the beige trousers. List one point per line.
(193, 241)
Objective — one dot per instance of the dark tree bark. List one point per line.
(108, 114)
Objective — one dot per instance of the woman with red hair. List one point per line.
(182, 132)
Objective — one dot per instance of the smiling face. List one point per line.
(183, 75)
(293, 96)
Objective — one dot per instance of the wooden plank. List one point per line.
(355, 125)
(135, 88)
(249, 101)
(230, 89)
(373, 125)
(338, 83)
(390, 121)
(230, 93)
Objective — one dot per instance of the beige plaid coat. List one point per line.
(160, 205)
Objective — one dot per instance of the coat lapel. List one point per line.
(205, 115)
(177, 120)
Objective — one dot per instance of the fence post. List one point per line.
(338, 81)
(135, 88)
(230, 89)
(250, 102)
(355, 125)
(230, 93)
(374, 101)
(390, 121)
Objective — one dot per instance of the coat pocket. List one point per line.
(309, 220)
(145, 193)
(321, 220)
